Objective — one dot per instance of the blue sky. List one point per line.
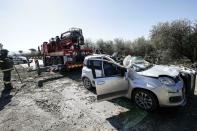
(26, 24)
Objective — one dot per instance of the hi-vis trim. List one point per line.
(6, 82)
(1, 61)
(75, 66)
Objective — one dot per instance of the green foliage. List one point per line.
(168, 41)
(142, 47)
(20, 51)
(105, 47)
(32, 50)
(178, 38)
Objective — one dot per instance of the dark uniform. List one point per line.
(6, 66)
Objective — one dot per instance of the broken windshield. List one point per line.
(137, 63)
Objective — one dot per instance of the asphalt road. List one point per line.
(64, 104)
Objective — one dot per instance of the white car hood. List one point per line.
(158, 70)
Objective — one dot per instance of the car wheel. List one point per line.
(145, 100)
(87, 83)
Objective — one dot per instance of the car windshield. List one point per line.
(137, 60)
(137, 63)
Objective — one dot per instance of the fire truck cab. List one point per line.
(66, 51)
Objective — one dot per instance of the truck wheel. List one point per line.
(145, 100)
(87, 83)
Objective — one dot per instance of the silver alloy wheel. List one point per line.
(87, 83)
(143, 100)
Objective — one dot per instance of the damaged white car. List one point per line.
(148, 85)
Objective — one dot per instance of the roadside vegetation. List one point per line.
(168, 42)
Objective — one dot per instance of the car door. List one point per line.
(111, 84)
(87, 70)
(97, 65)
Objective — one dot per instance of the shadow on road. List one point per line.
(170, 119)
(5, 99)
(73, 74)
(126, 120)
(180, 118)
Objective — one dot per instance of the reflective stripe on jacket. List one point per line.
(6, 82)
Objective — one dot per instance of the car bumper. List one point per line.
(168, 98)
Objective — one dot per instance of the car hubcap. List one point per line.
(143, 100)
(87, 83)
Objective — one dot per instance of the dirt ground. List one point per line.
(64, 104)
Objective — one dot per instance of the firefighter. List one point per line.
(6, 66)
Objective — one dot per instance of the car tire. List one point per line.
(145, 100)
(87, 83)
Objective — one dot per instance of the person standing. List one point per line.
(6, 66)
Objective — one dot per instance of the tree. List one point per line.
(33, 51)
(20, 51)
(119, 46)
(109, 47)
(141, 47)
(194, 40)
(89, 44)
(176, 37)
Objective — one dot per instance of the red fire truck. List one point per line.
(66, 51)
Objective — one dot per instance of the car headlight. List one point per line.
(167, 81)
(172, 90)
